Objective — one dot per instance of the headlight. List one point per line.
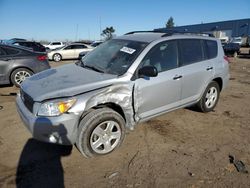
(55, 107)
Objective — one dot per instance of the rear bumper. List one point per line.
(42, 66)
(60, 129)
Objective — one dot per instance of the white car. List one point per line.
(70, 51)
(54, 45)
(96, 43)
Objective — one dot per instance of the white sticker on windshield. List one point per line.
(127, 50)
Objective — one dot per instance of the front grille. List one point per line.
(27, 100)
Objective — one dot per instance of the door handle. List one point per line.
(209, 68)
(177, 77)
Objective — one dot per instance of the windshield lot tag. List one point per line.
(127, 50)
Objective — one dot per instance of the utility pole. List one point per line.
(89, 33)
(76, 32)
(100, 22)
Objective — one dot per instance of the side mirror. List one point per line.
(149, 71)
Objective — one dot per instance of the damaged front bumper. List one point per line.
(59, 129)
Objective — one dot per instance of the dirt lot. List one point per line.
(183, 148)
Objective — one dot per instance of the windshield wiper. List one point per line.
(92, 68)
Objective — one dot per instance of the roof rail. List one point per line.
(151, 31)
(171, 32)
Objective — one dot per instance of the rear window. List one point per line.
(211, 49)
(190, 51)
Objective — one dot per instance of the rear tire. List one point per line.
(100, 132)
(209, 98)
(19, 75)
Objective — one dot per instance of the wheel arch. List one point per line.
(219, 81)
(117, 108)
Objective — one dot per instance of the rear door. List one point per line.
(6, 63)
(196, 68)
(78, 49)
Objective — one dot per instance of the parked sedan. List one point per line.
(70, 51)
(82, 54)
(17, 63)
(94, 45)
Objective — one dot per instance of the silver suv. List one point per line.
(123, 82)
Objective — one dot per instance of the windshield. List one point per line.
(114, 56)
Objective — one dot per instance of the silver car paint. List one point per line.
(54, 83)
(140, 99)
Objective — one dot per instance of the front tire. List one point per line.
(57, 57)
(19, 75)
(100, 132)
(210, 97)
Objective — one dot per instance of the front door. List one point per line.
(157, 94)
(69, 52)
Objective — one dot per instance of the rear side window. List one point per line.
(211, 49)
(69, 47)
(190, 51)
(11, 51)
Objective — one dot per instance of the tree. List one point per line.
(108, 32)
(170, 22)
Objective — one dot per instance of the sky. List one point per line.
(53, 20)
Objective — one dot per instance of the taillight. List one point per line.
(227, 59)
(42, 57)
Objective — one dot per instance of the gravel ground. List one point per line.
(183, 148)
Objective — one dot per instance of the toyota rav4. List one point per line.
(123, 82)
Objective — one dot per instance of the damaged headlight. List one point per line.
(55, 107)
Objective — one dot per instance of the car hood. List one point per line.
(65, 81)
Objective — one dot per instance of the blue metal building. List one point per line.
(230, 29)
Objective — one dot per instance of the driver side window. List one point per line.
(69, 47)
(163, 56)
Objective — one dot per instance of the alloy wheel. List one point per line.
(211, 97)
(105, 137)
(21, 76)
